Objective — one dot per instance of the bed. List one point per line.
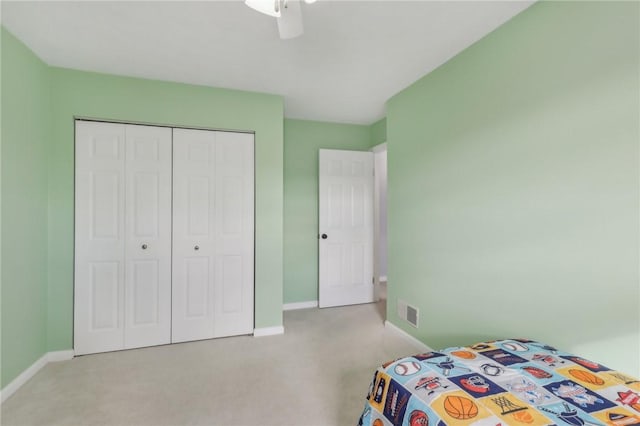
(505, 382)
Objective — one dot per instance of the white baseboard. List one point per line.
(60, 356)
(268, 331)
(23, 378)
(27, 374)
(417, 343)
(382, 279)
(300, 305)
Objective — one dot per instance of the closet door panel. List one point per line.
(193, 234)
(148, 236)
(99, 269)
(234, 284)
(164, 235)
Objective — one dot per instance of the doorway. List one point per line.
(380, 226)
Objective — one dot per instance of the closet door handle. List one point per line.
(144, 246)
(196, 248)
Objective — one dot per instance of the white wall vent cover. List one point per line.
(412, 315)
(408, 313)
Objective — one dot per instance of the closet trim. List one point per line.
(172, 126)
(80, 118)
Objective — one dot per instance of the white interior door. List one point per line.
(122, 237)
(345, 228)
(212, 234)
(99, 237)
(148, 236)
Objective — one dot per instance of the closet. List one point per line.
(164, 235)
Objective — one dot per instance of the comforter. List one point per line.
(506, 382)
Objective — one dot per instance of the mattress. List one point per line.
(505, 382)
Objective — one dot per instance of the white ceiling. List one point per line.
(353, 56)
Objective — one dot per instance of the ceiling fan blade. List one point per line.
(290, 22)
(268, 7)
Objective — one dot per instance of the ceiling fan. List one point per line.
(287, 12)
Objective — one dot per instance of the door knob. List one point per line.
(144, 246)
(324, 236)
(196, 248)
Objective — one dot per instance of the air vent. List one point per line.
(408, 313)
(412, 315)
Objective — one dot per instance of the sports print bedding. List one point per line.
(505, 382)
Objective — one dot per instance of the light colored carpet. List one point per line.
(317, 373)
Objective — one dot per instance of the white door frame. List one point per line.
(379, 246)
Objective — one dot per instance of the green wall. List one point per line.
(77, 93)
(302, 140)
(25, 137)
(39, 104)
(378, 132)
(513, 186)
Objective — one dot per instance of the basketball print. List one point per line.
(464, 354)
(586, 377)
(418, 418)
(377, 422)
(523, 417)
(460, 408)
(407, 368)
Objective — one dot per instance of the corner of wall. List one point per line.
(26, 116)
(378, 132)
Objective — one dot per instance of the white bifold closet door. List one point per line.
(122, 288)
(213, 234)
